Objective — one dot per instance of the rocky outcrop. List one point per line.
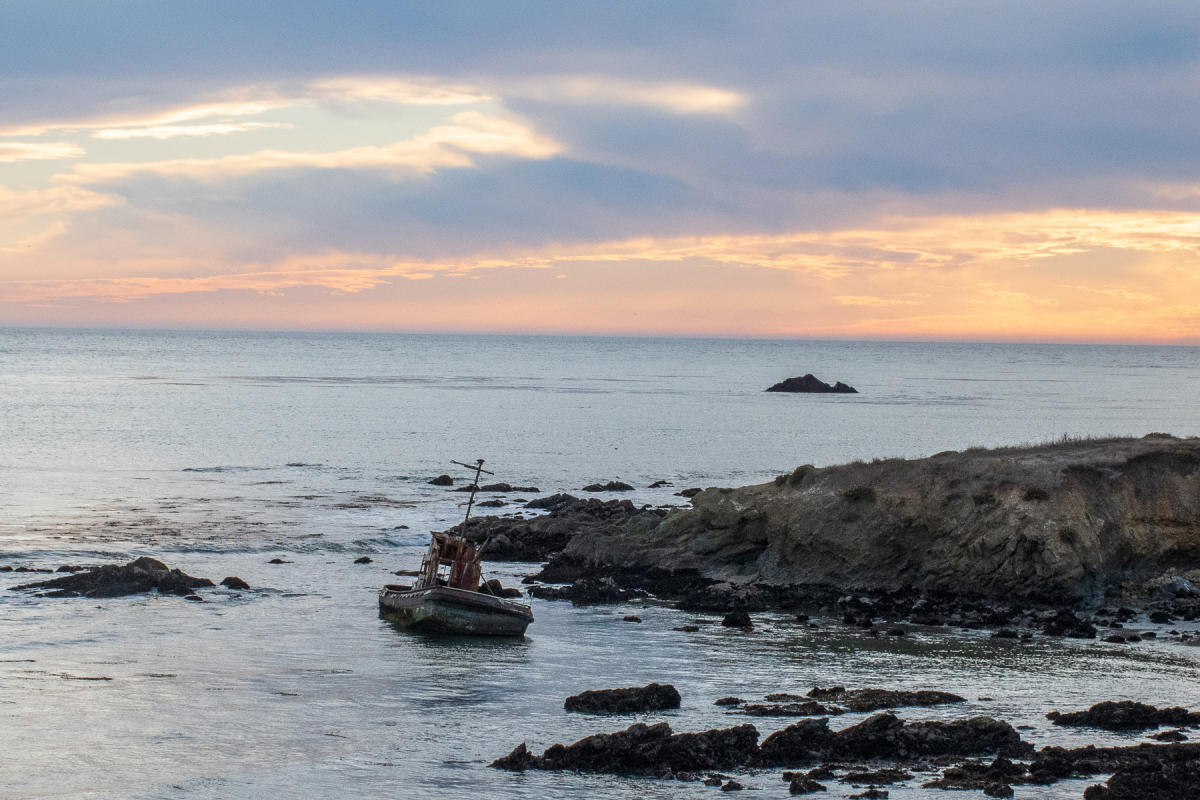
(611, 486)
(635, 699)
(648, 750)
(875, 699)
(115, 580)
(810, 384)
(1061, 523)
(1125, 715)
(441, 480)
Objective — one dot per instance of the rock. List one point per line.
(953, 525)
(686, 628)
(611, 486)
(659, 484)
(873, 794)
(998, 790)
(875, 699)
(647, 750)
(692, 492)
(234, 582)
(1053, 763)
(1171, 778)
(732, 786)
(112, 580)
(491, 504)
(505, 488)
(6, 568)
(653, 697)
(585, 591)
(737, 619)
(631, 618)
(70, 568)
(1170, 736)
(810, 708)
(363, 560)
(1125, 715)
(442, 480)
(810, 384)
(885, 737)
(1181, 587)
(1159, 617)
(728, 701)
(977, 775)
(879, 776)
(519, 760)
(802, 784)
(195, 598)
(278, 561)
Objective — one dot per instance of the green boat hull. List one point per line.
(453, 611)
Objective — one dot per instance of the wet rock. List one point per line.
(686, 628)
(732, 786)
(810, 708)
(873, 794)
(1159, 617)
(810, 384)
(1067, 623)
(1125, 715)
(234, 582)
(997, 790)
(648, 750)
(195, 598)
(278, 561)
(802, 784)
(885, 737)
(1005, 633)
(1054, 763)
(1173, 779)
(737, 619)
(363, 560)
(519, 760)
(978, 775)
(653, 697)
(442, 480)
(1170, 736)
(491, 504)
(587, 591)
(876, 777)
(692, 492)
(505, 488)
(875, 699)
(611, 486)
(113, 580)
(631, 618)
(71, 568)
(659, 484)
(728, 701)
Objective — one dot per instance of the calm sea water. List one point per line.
(216, 452)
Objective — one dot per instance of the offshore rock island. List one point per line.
(1073, 523)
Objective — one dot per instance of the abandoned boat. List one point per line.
(447, 596)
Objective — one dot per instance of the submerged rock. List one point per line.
(640, 749)
(875, 699)
(810, 384)
(113, 580)
(611, 486)
(653, 697)
(234, 582)
(441, 480)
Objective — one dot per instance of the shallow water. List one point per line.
(217, 452)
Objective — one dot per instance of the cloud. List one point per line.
(675, 97)
(12, 152)
(174, 131)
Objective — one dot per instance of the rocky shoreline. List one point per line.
(1059, 539)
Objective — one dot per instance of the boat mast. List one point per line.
(478, 467)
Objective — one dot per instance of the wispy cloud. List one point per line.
(675, 97)
(11, 152)
(175, 131)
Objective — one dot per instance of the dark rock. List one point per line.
(611, 486)
(1125, 715)
(70, 568)
(442, 480)
(363, 560)
(234, 582)
(470, 487)
(112, 580)
(998, 790)
(1053, 763)
(1005, 633)
(879, 776)
(732, 786)
(1170, 736)
(491, 504)
(519, 760)
(810, 708)
(1174, 779)
(631, 618)
(553, 502)
(875, 699)
(977, 775)
(728, 701)
(686, 628)
(6, 568)
(692, 492)
(648, 750)
(810, 384)
(873, 794)
(587, 591)
(505, 488)
(1159, 617)
(802, 784)
(659, 484)
(1068, 624)
(278, 561)
(737, 619)
(654, 697)
(885, 737)
(195, 598)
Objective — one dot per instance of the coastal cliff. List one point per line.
(1072, 521)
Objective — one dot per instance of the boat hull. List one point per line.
(453, 611)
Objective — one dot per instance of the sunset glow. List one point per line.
(616, 187)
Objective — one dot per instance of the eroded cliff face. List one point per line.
(1066, 521)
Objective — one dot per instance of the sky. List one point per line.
(1012, 171)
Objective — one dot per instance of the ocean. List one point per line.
(216, 452)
